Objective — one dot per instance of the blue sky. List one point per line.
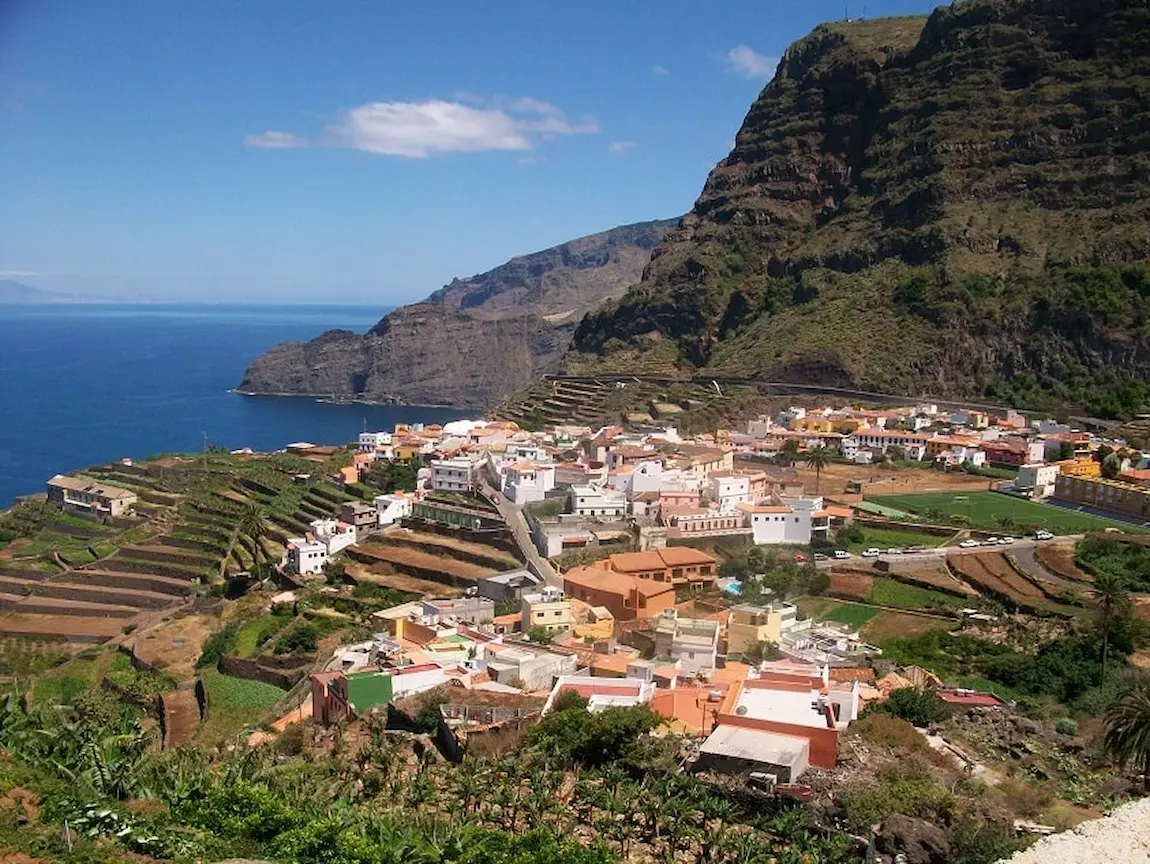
(275, 150)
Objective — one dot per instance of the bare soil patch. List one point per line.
(992, 572)
(382, 574)
(935, 578)
(19, 798)
(414, 558)
(1058, 558)
(174, 644)
(886, 481)
(851, 584)
(91, 629)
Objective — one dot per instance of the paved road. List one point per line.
(1020, 545)
(516, 521)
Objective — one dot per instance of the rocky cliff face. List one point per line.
(954, 205)
(472, 342)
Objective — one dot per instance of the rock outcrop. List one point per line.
(472, 342)
(954, 206)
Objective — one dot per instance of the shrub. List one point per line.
(571, 733)
(303, 639)
(917, 707)
(1065, 726)
(218, 644)
(906, 787)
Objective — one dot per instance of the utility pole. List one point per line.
(205, 434)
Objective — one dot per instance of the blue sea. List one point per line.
(84, 384)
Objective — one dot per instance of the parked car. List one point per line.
(914, 550)
(800, 558)
(990, 541)
(872, 553)
(1043, 535)
(893, 550)
(968, 544)
(819, 556)
(1005, 541)
(842, 554)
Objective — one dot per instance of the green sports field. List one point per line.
(984, 509)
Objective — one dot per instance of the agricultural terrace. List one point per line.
(995, 511)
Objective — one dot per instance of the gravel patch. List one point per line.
(1123, 837)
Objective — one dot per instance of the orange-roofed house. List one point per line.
(626, 596)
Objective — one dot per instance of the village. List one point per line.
(737, 583)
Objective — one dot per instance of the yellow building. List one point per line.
(548, 609)
(749, 625)
(1086, 468)
(1110, 496)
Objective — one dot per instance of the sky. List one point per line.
(359, 150)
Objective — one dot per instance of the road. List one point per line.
(517, 522)
(1022, 545)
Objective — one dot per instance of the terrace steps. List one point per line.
(56, 606)
(139, 599)
(56, 628)
(110, 578)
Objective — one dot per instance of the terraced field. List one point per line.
(990, 571)
(70, 579)
(593, 403)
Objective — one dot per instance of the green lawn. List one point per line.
(849, 613)
(234, 704)
(257, 631)
(984, 509)
(899, 595)
(885, 538)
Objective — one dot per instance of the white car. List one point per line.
(1005, 541)
(990, 541)
(893, 550)
(842, 554)
(1043, 535)
(968, 544)
(872, 553)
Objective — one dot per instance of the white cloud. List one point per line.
(660, 71)
(621, 147)
(416, 130)
(530, 159)
(17, 274)
(744, 60)
(275, 140)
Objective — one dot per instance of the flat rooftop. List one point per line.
(781, 706)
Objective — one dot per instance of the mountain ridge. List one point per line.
(953, 204)
(473, 341)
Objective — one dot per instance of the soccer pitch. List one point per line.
(985, 509)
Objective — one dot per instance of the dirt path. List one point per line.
(181, 718)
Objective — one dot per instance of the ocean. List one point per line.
(85, 384)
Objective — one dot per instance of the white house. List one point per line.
(1037, 479)
(392, 508)
(327, 537)
(727, 490)
(791, 520)
(528, 481)
(589, 501)
(378, 444)
(453, 475)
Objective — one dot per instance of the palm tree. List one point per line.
(1112, 598)
(1128, 729)
(818, 458)
(253, 526)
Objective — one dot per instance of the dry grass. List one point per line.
(888, 624)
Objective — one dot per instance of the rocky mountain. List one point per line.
(954, 205)
(474, 341)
